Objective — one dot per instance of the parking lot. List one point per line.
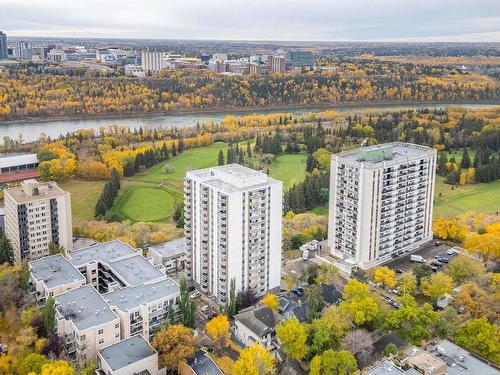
(428, 252)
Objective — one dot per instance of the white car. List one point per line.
(452, 251)
(205, 309)
(194, 294)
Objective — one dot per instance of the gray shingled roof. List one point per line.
(260, 320)
(202, 364)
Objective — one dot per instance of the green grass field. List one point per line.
(151, 195)
(84, 195)
(289, 168)
(480, 198)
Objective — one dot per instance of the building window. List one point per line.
(101, 331)
(117, 325)
(101, 341)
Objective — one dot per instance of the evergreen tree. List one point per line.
(465, 163)
(441, 168)
(187, 307)
(6, 250)
(220, 158)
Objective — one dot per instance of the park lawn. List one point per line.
(289, 168)
(152, 194)
(479, 198)
(459, 153)
(84, 195)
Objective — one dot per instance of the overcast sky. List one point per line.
(335, 20)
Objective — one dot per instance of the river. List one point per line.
(32, 130)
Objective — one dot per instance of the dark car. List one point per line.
(434, 269)
(438, 243)
(299, 292)
(398, 270)
(443, 259)
(437, 263)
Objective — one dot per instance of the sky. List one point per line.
(307, 20)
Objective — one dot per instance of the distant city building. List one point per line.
(37, 214)
(152, 62)
(255, 69)
(233, 229)
(217, 66)
(220, 56)
(300, 59)
(277, 64)
(4, 53)
(381, 201)
(18, 168)
(56, 55)
(134, 70)
(23, 50)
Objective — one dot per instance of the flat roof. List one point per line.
(103, 252)
(385, 368)
(386, 152)
(47, 190)
(54, 270)
(171, 248)
(126, 352)
(202, 364)
(84, 307)
(231, 178)
(461, 362)
(135, 270)
(129, 298)
(13, 161)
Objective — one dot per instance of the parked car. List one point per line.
(453, 251)
(442, 259)
(417, 258)
(205, 309)
(397, 305)
(299, 292)
(398, 270)
(438, 243)
(434, 269)
(3, 348)
(388, 299)
(194, 294)
(437, 263)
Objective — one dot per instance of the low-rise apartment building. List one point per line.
(86, 323)
(171, 254)
(130, 356)
(53, 275)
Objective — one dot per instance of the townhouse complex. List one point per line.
(381, 200)
(104, 293)
(233, 229)
(37, 214)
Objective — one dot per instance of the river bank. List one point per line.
(237, 110)
(32, 128)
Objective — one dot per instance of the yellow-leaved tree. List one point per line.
(254, 360)
(385, 275)
(271, 300)
(218, 329)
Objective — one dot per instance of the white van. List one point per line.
(417, 258)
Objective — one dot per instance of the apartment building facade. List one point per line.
(233, 229)
(37, 214)
(277, 64)
(104, 293)
(381, 201)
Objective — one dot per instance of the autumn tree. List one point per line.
(218, 330)
(326, 273)
(463, 268)
(331, 362)
(411, 322)
(359, 303)
(481, 337)
(175, 343)
(437, 285)
(57, 368)
(449, 229)
(447, 323)
(473, 299)
(271, 300)
(327, 331)
(49, 315)
(254, 360)
(293, 338)
(407, 284)
(385, 276)
(487, 244)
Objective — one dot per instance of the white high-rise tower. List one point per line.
(381, 201)
(233, 229)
